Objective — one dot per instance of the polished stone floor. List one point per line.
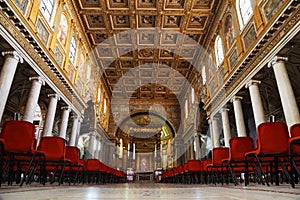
(146, 190)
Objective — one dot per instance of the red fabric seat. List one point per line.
(273, 139)
(54, 149)
(294, 150)
(236, 161)
(18, 145)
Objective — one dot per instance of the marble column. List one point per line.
(211, 133)
(64, 121)
(91, 145)
(78, 131)
(11, 60)
(216, 133)
(97, 141)
(74, 135)
(99, 149)
(286, 93)
(198, 146)
(33, 98)
(48, 126)
(226, 126)
(257, 106)
(239, 116)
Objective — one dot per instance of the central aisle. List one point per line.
(142, 191)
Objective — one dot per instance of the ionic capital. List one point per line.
(224, 110)
(252, 82)
(66, 108)
(277, 59)
(38, 79)
(236, 98)
(13, 54)
(55, 96)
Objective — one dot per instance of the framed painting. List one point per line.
(42, 32)
(58, 56)
(22, 4)
(271, 7)
(249, 36)
(233, 58)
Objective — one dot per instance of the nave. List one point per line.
(149, 190)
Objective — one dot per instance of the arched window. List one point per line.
(47, 7)
(193, 95)
(203, 74)
(245, 11)
(186, 109)
(73, 49)
(219, 50)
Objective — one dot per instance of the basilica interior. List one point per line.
(149, 91)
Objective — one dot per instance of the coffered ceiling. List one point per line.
(146, 48)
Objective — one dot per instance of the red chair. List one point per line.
(294, 147)
(205, 164)
(193, 171)
(54, 149)
(236, 161)
(72, 154)
(18, 146)
(215, 168)
(92, 170)
(272, 144)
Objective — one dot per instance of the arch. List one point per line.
(47, 9)
(152, 113)
(219, 50)
(244, 10)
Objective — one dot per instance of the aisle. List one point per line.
(145, 190)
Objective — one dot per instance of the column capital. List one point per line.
(13, 54)
(54, 96)
(74, 116)
(276, 59)
(224, 110)
(252, 82)
(65, 108)
(38, 79)
(236, 98)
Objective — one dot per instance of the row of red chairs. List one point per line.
(276, 155)
(21, 160)
(97, 172)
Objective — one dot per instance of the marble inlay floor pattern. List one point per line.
(151, 191)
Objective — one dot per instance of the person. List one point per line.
(229, 31)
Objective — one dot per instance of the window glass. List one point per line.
(47, 8)
(73, 48)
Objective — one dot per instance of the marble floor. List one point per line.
(146, 190)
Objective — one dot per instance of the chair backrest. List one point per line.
(72, 154)
(219, 154)
(295, 130)
(205, 163)
(53, 147)
(239, 146)
(18, 136)
(194, 165)
(92, 165)
(273, 138)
